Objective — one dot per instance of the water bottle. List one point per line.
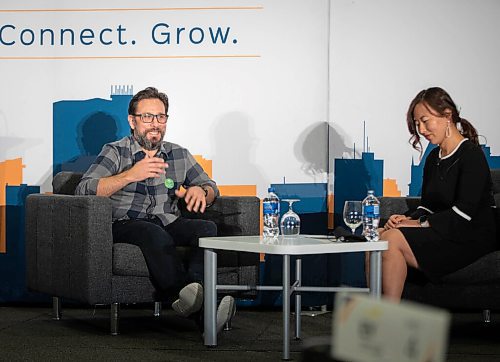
(371, 216)
(271, 213)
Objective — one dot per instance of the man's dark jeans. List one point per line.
(158, 245)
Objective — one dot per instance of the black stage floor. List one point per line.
(27, 333)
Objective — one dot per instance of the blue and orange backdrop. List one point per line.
(309, 97)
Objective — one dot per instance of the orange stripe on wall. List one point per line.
(259, 7)
(330, 212)
(131, 57)
(237, 190)
(226, 190)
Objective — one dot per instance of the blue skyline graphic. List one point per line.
(354, 177)
(82, 127)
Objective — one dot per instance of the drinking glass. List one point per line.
(353, 216)
(290, 221)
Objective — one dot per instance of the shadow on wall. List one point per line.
(93, 133)
(314, 148)
(338, 146)
(311, 148)
(235, 144)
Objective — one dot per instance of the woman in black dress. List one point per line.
(454, 225)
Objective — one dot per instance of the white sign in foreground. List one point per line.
(368, 329)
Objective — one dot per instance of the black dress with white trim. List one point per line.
(457, 197)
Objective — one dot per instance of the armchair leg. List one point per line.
(157, 310)
(486, 316)
(115, 318)
(56, 308)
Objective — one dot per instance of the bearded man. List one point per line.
(142, 175)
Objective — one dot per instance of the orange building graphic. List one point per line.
(391, 188)
(11, 173)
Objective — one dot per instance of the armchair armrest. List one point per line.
(69, 246)
(234, 215)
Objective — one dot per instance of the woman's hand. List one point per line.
(409, 223)
(395, 220)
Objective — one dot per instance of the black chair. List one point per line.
(70, 252)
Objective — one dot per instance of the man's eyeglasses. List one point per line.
(149, 117)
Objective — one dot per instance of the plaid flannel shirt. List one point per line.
(151, 197)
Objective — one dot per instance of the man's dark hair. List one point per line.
(148, 93)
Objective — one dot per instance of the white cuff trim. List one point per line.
(426, 209)
(461, 213)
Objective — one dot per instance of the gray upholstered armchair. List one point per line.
(475, 287)
(70, 252)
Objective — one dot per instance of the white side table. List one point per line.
(302, 245)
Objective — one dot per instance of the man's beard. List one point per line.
(148, 144)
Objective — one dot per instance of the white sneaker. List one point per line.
(225, 312)
(190, 300)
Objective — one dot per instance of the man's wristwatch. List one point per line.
(423, 221)
(205, 189)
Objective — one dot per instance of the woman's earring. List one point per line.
(448, 131)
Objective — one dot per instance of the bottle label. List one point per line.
(270, 208)
(371, 211)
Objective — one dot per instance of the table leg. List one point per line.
(210, 269)
(286, 307)
(376, 273)
(298, 297)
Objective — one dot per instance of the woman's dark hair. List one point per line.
(148, 93)
(438, 100)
